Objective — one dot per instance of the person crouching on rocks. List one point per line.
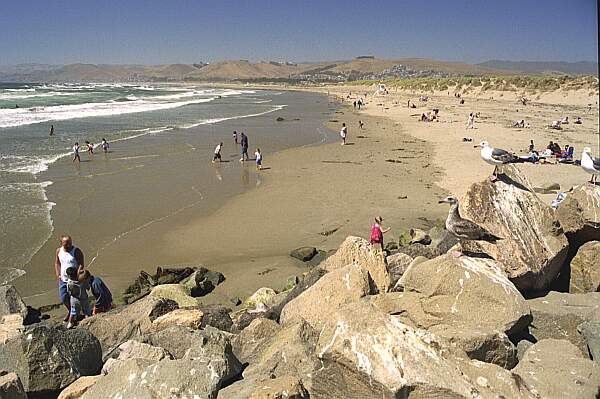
(77, 289)
(377, 232)
(101, 293)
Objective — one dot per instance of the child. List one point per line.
(90, 148)
(217, 152)
(377, 232)
(258, 156)
(77, 289)
(105, 146)
(76, 153)
(101, 293)
(344, 133)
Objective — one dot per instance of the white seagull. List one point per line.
(496, 157)
(590, 164)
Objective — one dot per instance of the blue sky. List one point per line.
(185, 31)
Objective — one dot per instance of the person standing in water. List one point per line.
(344, 133)
(258, 157)
(76, 153)
(244, 143)
(105, 146)
(51, 130)
(90, 147)
(67, 256)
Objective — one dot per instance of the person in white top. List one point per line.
(258, 157)
(76, 153)
(344, 133)
(471, 121)
(217, 152)
(67, 256)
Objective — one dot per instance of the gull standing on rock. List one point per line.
(496, 157)
(464, 229)
(590, 164)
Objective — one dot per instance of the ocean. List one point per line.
(144, 124)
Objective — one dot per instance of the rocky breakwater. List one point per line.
(360, 324)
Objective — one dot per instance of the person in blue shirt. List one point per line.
(102, 295)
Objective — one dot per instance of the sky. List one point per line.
(186, 31)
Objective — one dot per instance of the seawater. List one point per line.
(80, 112)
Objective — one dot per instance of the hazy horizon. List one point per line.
(158, 33)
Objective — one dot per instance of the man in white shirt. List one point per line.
(217, 153)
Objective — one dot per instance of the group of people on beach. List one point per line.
(74, 281)
(242, 141)
(89, 148)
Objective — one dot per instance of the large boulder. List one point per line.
(11, 387)
(191, 318)
(47, 357)
(263, 295)
(585, 269)
(557, 369)
(533, 247)
(308, 281)
(468, 302)
(252, 341)
(202, 281)
(11, 325)
(11, 302)
(336, 288)
(135, 350)
(176, 340)
(304, 253)
(366, 353)
(397, 265)
(79, 387)
(590, 330)
(287, 387)
(558, 315)
(579, 214)
(216, 316)
(358, 251)
(122, 324)
(175, 292)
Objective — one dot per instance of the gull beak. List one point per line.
(441, 201)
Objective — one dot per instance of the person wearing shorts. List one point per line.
(67, 256)
(217, 155)
(258, 157)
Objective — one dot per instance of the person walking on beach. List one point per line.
(361, 125)
(90, 148)
(76, 153)
(244, 143)
(235, 137)
(67, 256)
(51, 130)
(105, 145)
(217, 152)
(377, 232)
(471, 121)
(344, 133)
(258, 157)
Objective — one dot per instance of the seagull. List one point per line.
(496, 157)
(464, 229)
(590, 164)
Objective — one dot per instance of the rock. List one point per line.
(191, 318)
(419, 250)
(291, 282)
(441, 240)
(11, 325)
(253, 340)
(557, 369)
(533, 247)
(468, 302)
(547, 188)
(214, 277)
(135, 350)
(358, 251)
(216, 316)
(418, 236)
(557, 316)
(11, 387)
(175, 292)
(263, 295)
(202, 282)
(79, 387)
(119, 325)
(308, 281)
(404, 239)
(522, 347)
(390, 246)
(145, 281)
(304, 253)
(397, 265)
(371, 354)
(579, 214)
(243, 318)
(215, 349)
(11, 302)
(286, 387)
(590, 330)
(176, 340)
(290, 351)
(585, 269)
(336, 288)
(398, 287)
(162, 307)
(48, 358)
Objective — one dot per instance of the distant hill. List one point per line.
(545, 67)
(246, 71)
